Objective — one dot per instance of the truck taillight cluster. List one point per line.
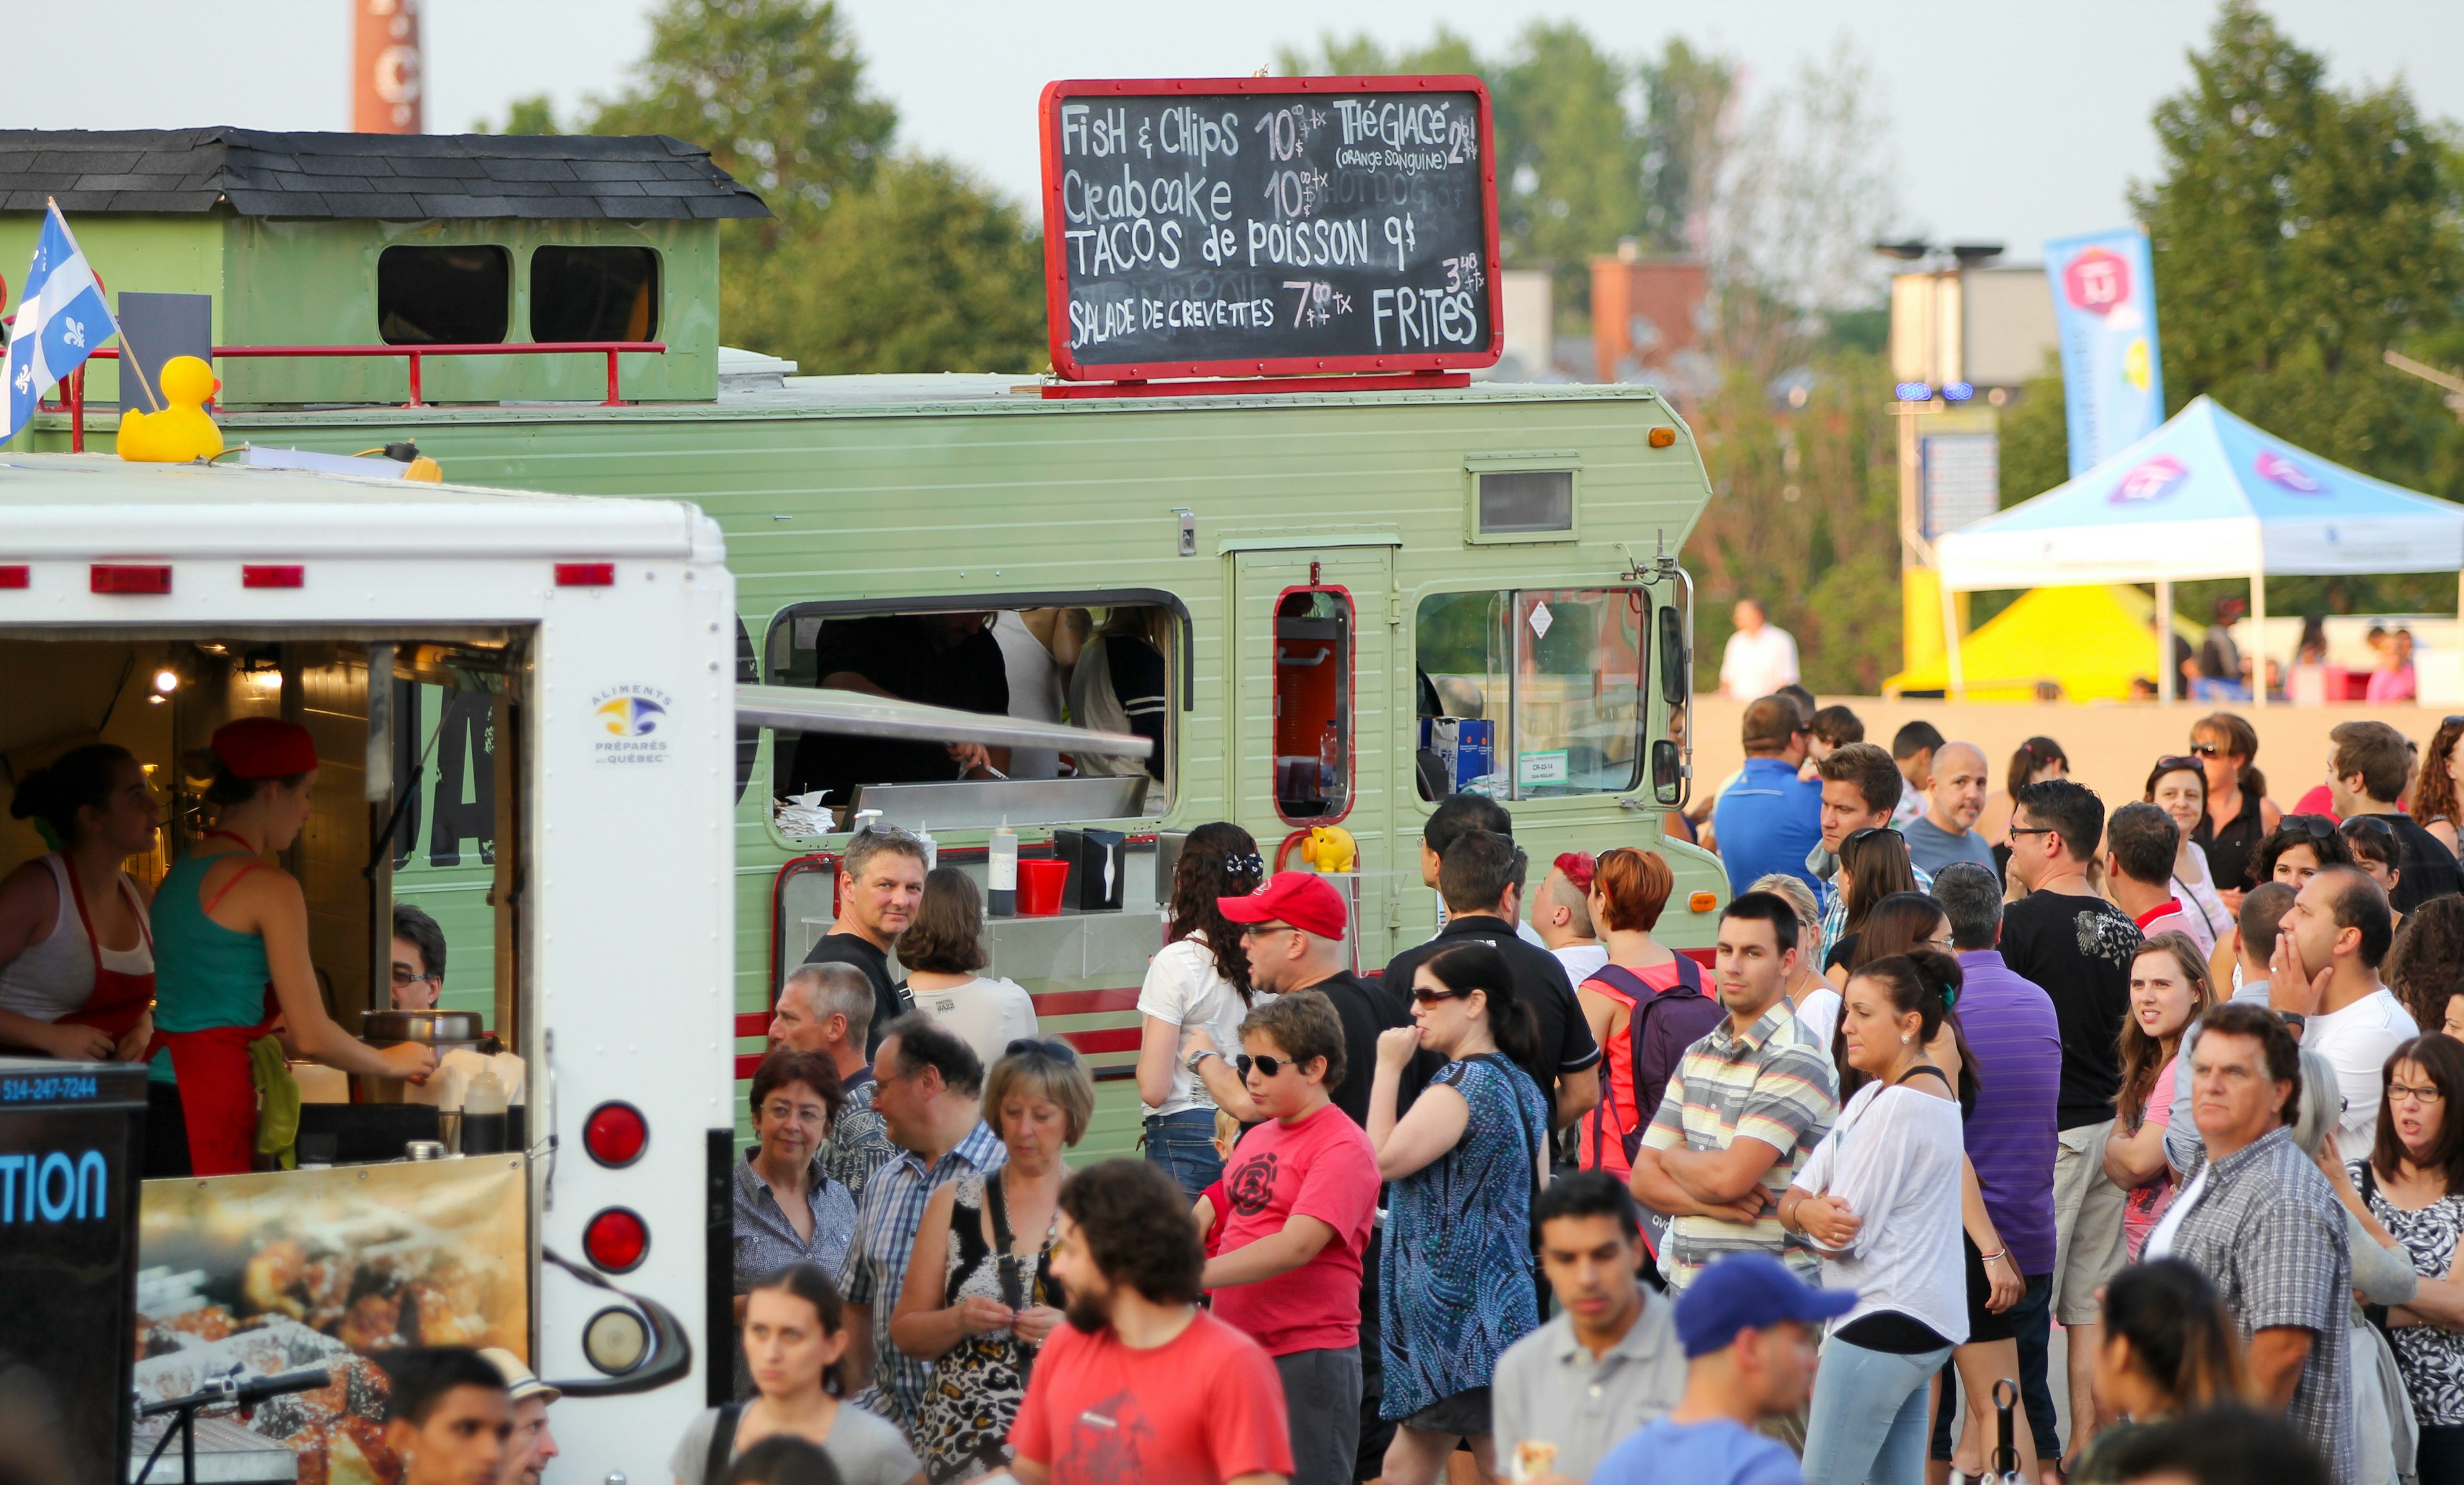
(617, 1240)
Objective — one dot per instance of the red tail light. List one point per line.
(125, 578)
(617, 1240)
(16, 577)
(585, 574)
(615, 1134)
(252, 576)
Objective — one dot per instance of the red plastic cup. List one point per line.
(1040, 886)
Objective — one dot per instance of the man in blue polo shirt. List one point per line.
(1769, 819)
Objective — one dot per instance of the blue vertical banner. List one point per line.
(2105, 309)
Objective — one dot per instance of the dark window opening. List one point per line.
(444, 296)
(594, 294)
(1520, 501)
(1313, 705)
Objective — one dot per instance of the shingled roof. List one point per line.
(393, 177)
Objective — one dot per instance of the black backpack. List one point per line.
(1686, 1001)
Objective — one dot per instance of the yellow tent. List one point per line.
(2089, 640)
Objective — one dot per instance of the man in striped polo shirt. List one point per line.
(1750, 1100)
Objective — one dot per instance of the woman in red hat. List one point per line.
(230, 948)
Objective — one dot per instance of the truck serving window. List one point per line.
(1093, 661)
(461, 296)
(594, 294)
(1313, 704)
(1530, 693)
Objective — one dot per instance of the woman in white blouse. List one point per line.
(2179, 787)
(941, 950)
(1879, 1198)
(1200, 980)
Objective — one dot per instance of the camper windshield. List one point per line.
(1530, 693)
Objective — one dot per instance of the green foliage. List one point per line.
(2300, 231)
(532, 115)
(871, 261)
(2035, 453)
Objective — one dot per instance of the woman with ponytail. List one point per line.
(1879, 1200)
(2169, 1348)
(76, 957)
(1198, 985)
(232, 937)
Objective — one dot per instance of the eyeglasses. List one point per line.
(1261, 930)
(1426, 998)
(1041, 1046)
(1944, 943)
(402, 976)
(2034, 830)
(1266, 1067)
(2425, 1097)
(810, 1113)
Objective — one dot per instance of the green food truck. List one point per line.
(1363, 600)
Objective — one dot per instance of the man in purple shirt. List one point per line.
(2012, 1140)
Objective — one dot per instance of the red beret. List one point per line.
(264, 748)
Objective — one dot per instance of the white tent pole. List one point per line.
(2259, 638)
(2167, 676)
(1950, 642)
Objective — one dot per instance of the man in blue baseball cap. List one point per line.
(1748, 1328)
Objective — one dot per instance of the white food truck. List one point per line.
(144, 605)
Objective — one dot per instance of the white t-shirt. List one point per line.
(1819, 1013)
(1758, 663)
(2356, 1042)
(1894, 1158)
(1183, 988)
(987, 1014)
(1034, 690)
(1911, 805)
(1582, 961)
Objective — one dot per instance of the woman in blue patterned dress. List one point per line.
(1454, 1289)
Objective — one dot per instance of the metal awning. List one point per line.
(797, 709)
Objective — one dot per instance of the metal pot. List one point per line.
(439, 1029)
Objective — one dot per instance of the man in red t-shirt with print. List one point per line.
(1303, 1190)
(1142, 1386)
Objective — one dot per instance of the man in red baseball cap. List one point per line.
(1293, 930)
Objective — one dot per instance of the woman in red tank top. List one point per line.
(1629, 889)
(77, 976)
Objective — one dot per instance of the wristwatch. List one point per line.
(2295, 1022)
(1200, 1055)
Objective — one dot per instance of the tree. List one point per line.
(2299, 233)
(870, 261)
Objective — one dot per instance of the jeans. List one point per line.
(2036, 1320)
(1868, 1423)
(1183, 1144)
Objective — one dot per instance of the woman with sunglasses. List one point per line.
(1873, 864)
(1199, 982)
(1455, 1286)
(2410, 1191)
(2301, 847)
(2178, 785)
(2435, 806)
(2239, 814)
(1301, 1191)
(980, 1296)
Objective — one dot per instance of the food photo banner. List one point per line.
(1269, 226)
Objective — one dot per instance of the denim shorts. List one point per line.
(1183, 1144)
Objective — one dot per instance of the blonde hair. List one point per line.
(1045, 1069)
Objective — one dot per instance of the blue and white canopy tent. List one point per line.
(2207, 495)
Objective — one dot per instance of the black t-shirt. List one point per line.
(898, 655)
(2078, 950)
(2429, 866)
(1565, 1037)
(1364, 1014)
(1136, 671)
(1841, 952)
(890, 998)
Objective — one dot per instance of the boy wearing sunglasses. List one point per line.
(1302, 1188)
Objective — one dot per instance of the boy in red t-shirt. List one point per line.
(1302, 1190)
(1142, 1386)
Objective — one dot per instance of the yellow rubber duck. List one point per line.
(1329, 849)
(181, 431)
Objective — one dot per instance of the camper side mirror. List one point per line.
(1666, 774)
(1676, 666)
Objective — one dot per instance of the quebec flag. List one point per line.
(60, 321)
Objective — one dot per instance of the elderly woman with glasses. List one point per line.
(980, 1296)
(787, 1209)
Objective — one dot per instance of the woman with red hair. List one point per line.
(1645, 978)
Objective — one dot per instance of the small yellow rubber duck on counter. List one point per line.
(181, 431)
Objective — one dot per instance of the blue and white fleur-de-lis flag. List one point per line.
(61, 318)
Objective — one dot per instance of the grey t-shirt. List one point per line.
(1932, 848)
(867, 1450)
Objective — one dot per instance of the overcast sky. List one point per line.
(2010, 123)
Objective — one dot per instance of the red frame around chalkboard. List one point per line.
(1056, 277)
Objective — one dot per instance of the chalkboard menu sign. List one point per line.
(1269, 226)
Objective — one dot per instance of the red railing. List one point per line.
(74, 397)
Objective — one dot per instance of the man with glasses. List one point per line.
(2366, 775)
(1302, 1190)
(2075, 945)
(928, 1086)
(1860, 788)
(1769, 818)
(418, 959)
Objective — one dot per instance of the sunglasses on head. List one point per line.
(1860, 837)
(1041, 1046)
(2371, 822)
(2175, 762)
(2318, 827)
